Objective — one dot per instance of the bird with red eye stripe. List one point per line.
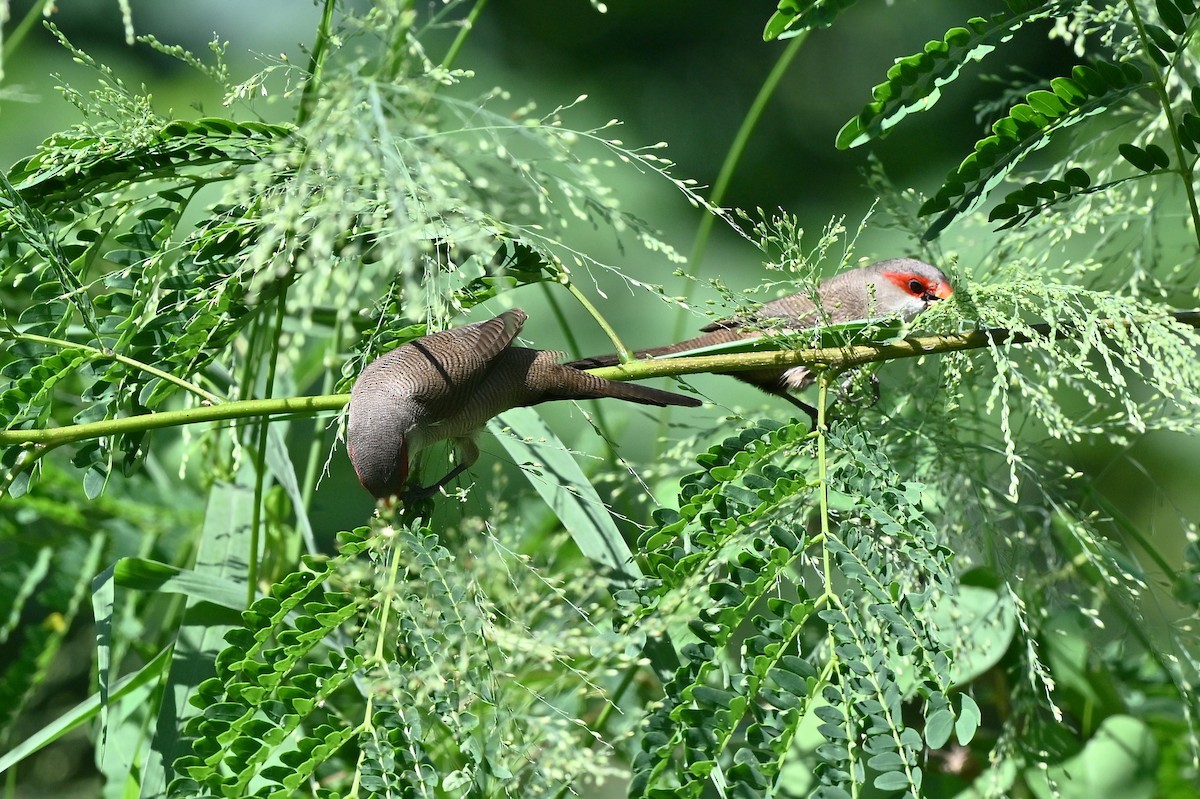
(901, 287)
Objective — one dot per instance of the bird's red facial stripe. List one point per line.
(919, 285)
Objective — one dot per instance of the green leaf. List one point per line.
(892, 781)
(1005, 210)
(141, 574)
(793, 17)
(1191, 124)
(1077, 177)
(968, 720)
(1158, 156)
(1046, 103)
(221, 558)
(1016, 136)
(1158, 56)
(1089, 79)
(1171, 16)
(1122, 752)
(565, 488)
(1068, 91)
(983, 622)
(82, 714)
(916, 82)
(1136, 156)
(938, 727)
(1161, 38)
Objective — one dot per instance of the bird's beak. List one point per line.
(943, 291)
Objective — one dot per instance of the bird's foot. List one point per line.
(809, 410)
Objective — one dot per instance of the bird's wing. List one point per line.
(456, 360)
(794, 311)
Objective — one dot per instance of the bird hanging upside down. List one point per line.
(447, 385)
(900, 287)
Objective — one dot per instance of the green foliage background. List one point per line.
(984, 584)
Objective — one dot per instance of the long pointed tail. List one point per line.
(574, 384)
(611, 359)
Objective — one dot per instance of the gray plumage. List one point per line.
(447, 385)
(899, 287)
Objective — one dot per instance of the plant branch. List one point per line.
(622, 351)
(831, 358)
(848, 357)
(264, 429)
(102, 354)
(569, 333)
(468, 25)
(54, 436)
(736, 149)
(316, 64)
(1164, 99)
(12, 42)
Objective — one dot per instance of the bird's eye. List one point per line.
(916, 286)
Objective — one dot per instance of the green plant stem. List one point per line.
(114, 356)
(622, 351)
(12, 42)
(568, 331)
(245, 409)
(834, 358)
(823, 479)
(264, 428)
(315, 447)
(733, 157)
(377, 658)
(1164, 99)
(467, 26)
(842, 358)
(736, 150)
(316, 64)
(626, 681)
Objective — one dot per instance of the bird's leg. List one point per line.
(802, 405)
(468, 453)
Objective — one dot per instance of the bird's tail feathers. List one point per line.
(584, 386)
(597, 361)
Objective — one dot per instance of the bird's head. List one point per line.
(382, 472)
(378, 444)
(906, 286)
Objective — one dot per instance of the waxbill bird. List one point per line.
(900, 287)
(447, 385)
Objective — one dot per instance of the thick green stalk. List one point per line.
(245, 409)
(13, 42)
(1160, 88)
(568, 331)
(264, 428)
(467, 26)
(736, 149)
(842, 358)
(316, 64)
(835, 358)
(823, 479)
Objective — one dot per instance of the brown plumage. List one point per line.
(447, 385)
(900, 287)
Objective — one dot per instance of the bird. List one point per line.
(447, 385)
(902, 287)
